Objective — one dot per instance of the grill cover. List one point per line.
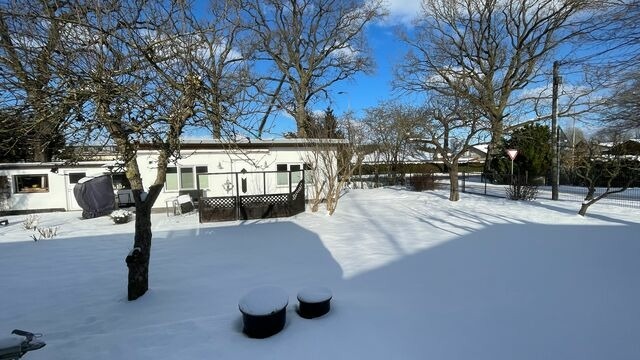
(95, 196)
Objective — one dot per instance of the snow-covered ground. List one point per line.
(413, 276)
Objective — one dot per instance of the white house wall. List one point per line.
(55, 198)
(221, 164)
(217, 161)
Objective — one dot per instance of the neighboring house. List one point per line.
(419, 155)
(629, 147)
(217, 168)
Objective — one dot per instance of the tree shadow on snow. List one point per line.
(562, 292)
(196, 276)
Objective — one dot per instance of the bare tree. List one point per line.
(223, 58)
(36, 99)
(390, 126)
(134, 60)
(622, 111)
(336, 154)
(488, 53)
(312, 44)
(451, 127)
(604, 171)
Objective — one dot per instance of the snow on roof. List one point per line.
(482, 147)
(247, 140)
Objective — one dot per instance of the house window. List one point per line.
(120, 181)
(203, 179)
(283, 175)
(31, 183)
(296, 175)
(184, 178)
(75, 177)
(172, 179)
(187, 181)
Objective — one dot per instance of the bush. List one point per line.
(521, 191)
(422, 182)
(31, 222)
(121, 216)
(47, 233)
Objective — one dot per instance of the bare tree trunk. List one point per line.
(40, 151)
(590, 192)
(301, 119)
(496, 137)
(138, 258)
(583, 208)
(454, 190)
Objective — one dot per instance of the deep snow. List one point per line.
(413, 276)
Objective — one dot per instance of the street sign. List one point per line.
(512, 155)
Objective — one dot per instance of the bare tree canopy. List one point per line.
(614, 63)
(224, 59)
(486, 52)
(36, 99)
(450, 127)
(390, 126)
(623, 106)
(311, 44)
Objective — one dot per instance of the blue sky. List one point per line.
(367, 90)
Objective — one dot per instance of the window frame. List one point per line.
(73, 179)
(296, 175)
(19, 189)
(194, 171)
(280, 173)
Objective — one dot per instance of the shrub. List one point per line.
(31, 222)
(45, 233)
(48, 233)
(121, 216)
(521, 191)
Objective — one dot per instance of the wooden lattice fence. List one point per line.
(244, 207)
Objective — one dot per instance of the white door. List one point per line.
(71, 179)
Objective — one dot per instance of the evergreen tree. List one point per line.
(533, 142)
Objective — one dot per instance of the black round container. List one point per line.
(264, 311)
(263, 326)
(314, 302)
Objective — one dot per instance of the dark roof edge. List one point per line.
(251, 144)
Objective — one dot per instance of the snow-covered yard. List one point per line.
(413, 275)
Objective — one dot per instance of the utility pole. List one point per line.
(555, 151)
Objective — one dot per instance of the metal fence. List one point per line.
(382, 180)
(476, 183)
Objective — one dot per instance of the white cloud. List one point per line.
(403, 11)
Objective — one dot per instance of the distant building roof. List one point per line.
(248, 143)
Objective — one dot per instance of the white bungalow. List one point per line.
(217, 168)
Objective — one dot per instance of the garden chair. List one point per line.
(185, 204)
